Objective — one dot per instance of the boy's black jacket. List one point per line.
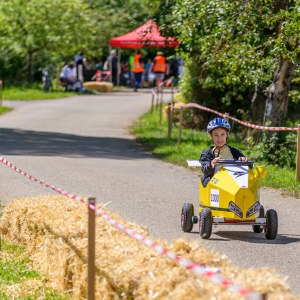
(205, 159)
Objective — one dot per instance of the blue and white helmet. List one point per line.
(218, 123)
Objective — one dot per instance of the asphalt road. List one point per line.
(83, 145)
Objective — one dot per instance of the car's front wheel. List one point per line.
(205, 223)
(271, 227)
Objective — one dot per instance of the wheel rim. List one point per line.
(200, 223)
(182, 217)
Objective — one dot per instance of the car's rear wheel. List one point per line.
(271, 227)
(187, 214)
(205, 223)
(257, 228)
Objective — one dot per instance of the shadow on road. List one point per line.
(32, 143)
(258, 238)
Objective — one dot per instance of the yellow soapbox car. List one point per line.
(232, 197)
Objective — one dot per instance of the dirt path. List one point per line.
(82, 144)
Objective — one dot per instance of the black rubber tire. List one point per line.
(271, 227)
(205, 223)
(187, 214)
(256, 228)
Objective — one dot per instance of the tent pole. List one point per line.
(119, 66)
(110, 62)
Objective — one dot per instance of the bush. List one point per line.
(278, 149)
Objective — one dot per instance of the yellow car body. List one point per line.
(233, 194)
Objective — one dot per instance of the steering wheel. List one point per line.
(234, 162)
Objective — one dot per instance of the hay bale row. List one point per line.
(102, 87)
(54, 230)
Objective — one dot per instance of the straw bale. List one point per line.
(176, 111)
(54, 230)
(102, 87)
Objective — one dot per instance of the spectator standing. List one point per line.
(160, 66)
(138, 70)
(131, 66)
(99, 66)
(113, 60)
(81, 66)
(147, 67)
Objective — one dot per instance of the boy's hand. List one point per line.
(243, 159)
(215, 160)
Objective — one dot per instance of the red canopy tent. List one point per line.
(146, 35)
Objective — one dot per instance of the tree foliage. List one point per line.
(237, 46)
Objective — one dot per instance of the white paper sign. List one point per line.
(214, 198)
(194, 163)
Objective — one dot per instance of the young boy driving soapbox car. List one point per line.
(229, 189)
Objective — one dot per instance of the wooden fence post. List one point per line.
(226, 117)
(162, 92)
(180, 126)
(157, 90)
(91, 250)
(298, 155)
(160, 111)
(169, 121)
(152, 103)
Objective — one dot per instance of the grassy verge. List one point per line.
(4, 109)
(33, 93)
(18, 279)
(193, 142)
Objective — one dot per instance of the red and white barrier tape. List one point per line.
(189, 264)
(234, 119)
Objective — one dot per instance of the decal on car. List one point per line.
(253, 209)
(235, 209)
(214, 198)
(239, 174)
(215, 180)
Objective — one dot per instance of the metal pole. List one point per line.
(152, 103)
(91, 250)
(119, 66)
(298, 155)
(172, 97)
(1, 87)
(110, 64)
(180, 126)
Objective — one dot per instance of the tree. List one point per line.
(239, 46)
(29, 26)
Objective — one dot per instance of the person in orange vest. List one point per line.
(159, 66)
(138, 69)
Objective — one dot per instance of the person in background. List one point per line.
(131, 65)
(81, 66)
(138, 70)
(70, 77)
(114, 66)
(146, 78)
(160, 67)
(99, 66)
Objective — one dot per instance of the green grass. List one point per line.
(4, 109)
(15, 269)
(193, 142)
(33, 93)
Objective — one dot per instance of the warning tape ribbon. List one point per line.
(237, 120)
(187, 263)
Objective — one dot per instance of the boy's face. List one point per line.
(219, 136)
